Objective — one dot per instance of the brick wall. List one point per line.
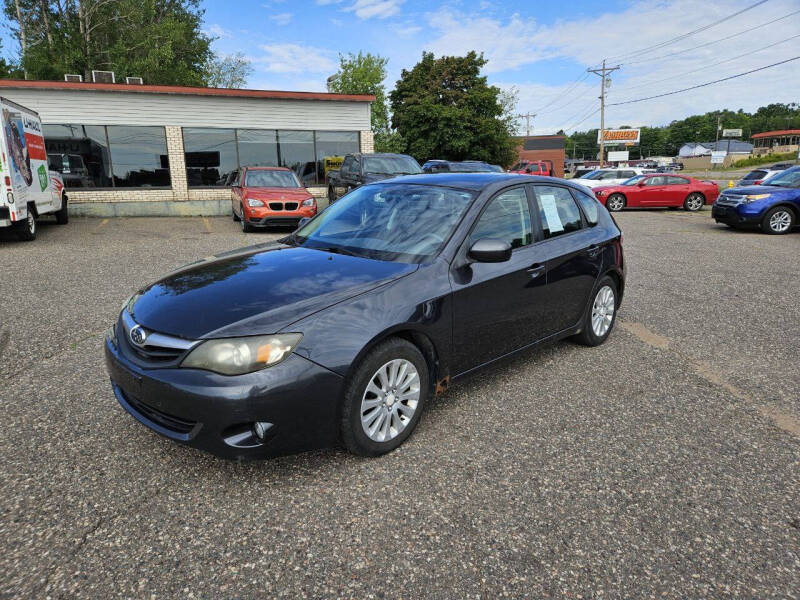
(177, 163)
(367, 141)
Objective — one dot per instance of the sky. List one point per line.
(541, 49)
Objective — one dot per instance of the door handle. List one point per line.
(536, 270)
(593, 250)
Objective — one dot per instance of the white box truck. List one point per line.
(28, 188)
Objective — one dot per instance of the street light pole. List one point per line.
(602, 72)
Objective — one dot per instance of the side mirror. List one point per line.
(490, 250)
(303, 221)
(641, 184)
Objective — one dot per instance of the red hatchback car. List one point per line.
(269, 196)
(658, 190)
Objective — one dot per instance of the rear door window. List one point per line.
(558, 212)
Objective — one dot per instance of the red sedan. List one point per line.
(657, 190)
(268, 196)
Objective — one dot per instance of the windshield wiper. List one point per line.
(337, 250)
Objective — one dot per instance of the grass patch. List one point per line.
(762, 160)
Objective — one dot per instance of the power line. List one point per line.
(694, 87)
(689, 34)
(580, 112)
(711, 43)
(647, 83)
(591, 114)
(567, 91)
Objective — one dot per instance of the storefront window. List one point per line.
(139, 156)
(333, 145)
(210, 155)
(79, 153)
(297, 153)
(257, 147)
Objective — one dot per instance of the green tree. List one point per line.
(6, 68)
(228, 71)
(364, 74)
(158, 40)
(445, 109)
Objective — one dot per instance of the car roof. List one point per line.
(475, 181)
(267, 168)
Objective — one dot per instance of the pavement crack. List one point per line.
(707, 372)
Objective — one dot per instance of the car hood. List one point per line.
(264, 193)
(256, 290)
(761, 189)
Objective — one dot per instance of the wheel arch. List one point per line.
(32, 208)
(794, 210)
(413, 335)
(619, 281)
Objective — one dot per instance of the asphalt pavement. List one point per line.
(665, 463)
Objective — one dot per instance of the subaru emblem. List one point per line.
(138, 335)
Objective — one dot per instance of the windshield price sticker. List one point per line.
(551, 213)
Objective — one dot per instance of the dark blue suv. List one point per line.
(774, 206)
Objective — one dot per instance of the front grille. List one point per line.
(290, 206)
(171, 422)
(158, 349)
(156, 353)
(276, 205)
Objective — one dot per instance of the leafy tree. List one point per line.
(445, 109)
(6, 69)
(158, 40)
(229, 71)
(364, 74)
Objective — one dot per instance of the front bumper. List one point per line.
(266, 217)
(735, 216)
(216, 413)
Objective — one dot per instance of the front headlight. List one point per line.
(309, 202)
(754, 197)
(254, 202)
(600, 192)
(236, 356)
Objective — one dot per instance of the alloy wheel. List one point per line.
(390, 400)
(780, 221)
(603, 310)
(31, 223)
(694, 202)
(615, 203)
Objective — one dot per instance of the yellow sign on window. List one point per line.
(333, 162)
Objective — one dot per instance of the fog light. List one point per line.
(261, 428)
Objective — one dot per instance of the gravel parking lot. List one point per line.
(664, 463)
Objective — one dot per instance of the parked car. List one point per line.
(533, 167)
(496, 168)
(608, 176)
(782, 166)
(269, 196)
(344, 330)
(358, 169)
(449, 166)
(29, 190)
(757, 176)
(583, 172)
(72, 169)
(774, 206)
(658, 190)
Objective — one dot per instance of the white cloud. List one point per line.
(506, 45)
(406, 31)
(281, 18)
(380, 9)
(218, 31)
(294, 58)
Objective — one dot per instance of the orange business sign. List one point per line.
(620, 136)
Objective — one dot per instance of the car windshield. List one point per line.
(754, 175)
(789, 179)
(633, 180)
(394, 222)
(594, 174)
(469, 168)
(278, 179)
(391, 165)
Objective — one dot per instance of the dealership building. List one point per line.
(168, 150)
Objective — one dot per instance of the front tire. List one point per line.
(384, 399)
(615, 202)
(778, 220)
(694, 202)
(331, 194)
(62, 215)
(601, 314)
(27, 229)
(246, 227)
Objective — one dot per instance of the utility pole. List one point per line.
(718, 127)
(527, 116)
(603, 79)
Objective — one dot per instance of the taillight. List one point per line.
(8, 181)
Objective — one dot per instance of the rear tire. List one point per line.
(778, 220)
(62, 216)
(27, 229)
(331, 194)
(601, 314)
(374, 400)
(694, 202)
(615, 202)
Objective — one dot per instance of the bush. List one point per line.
(764, 159)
